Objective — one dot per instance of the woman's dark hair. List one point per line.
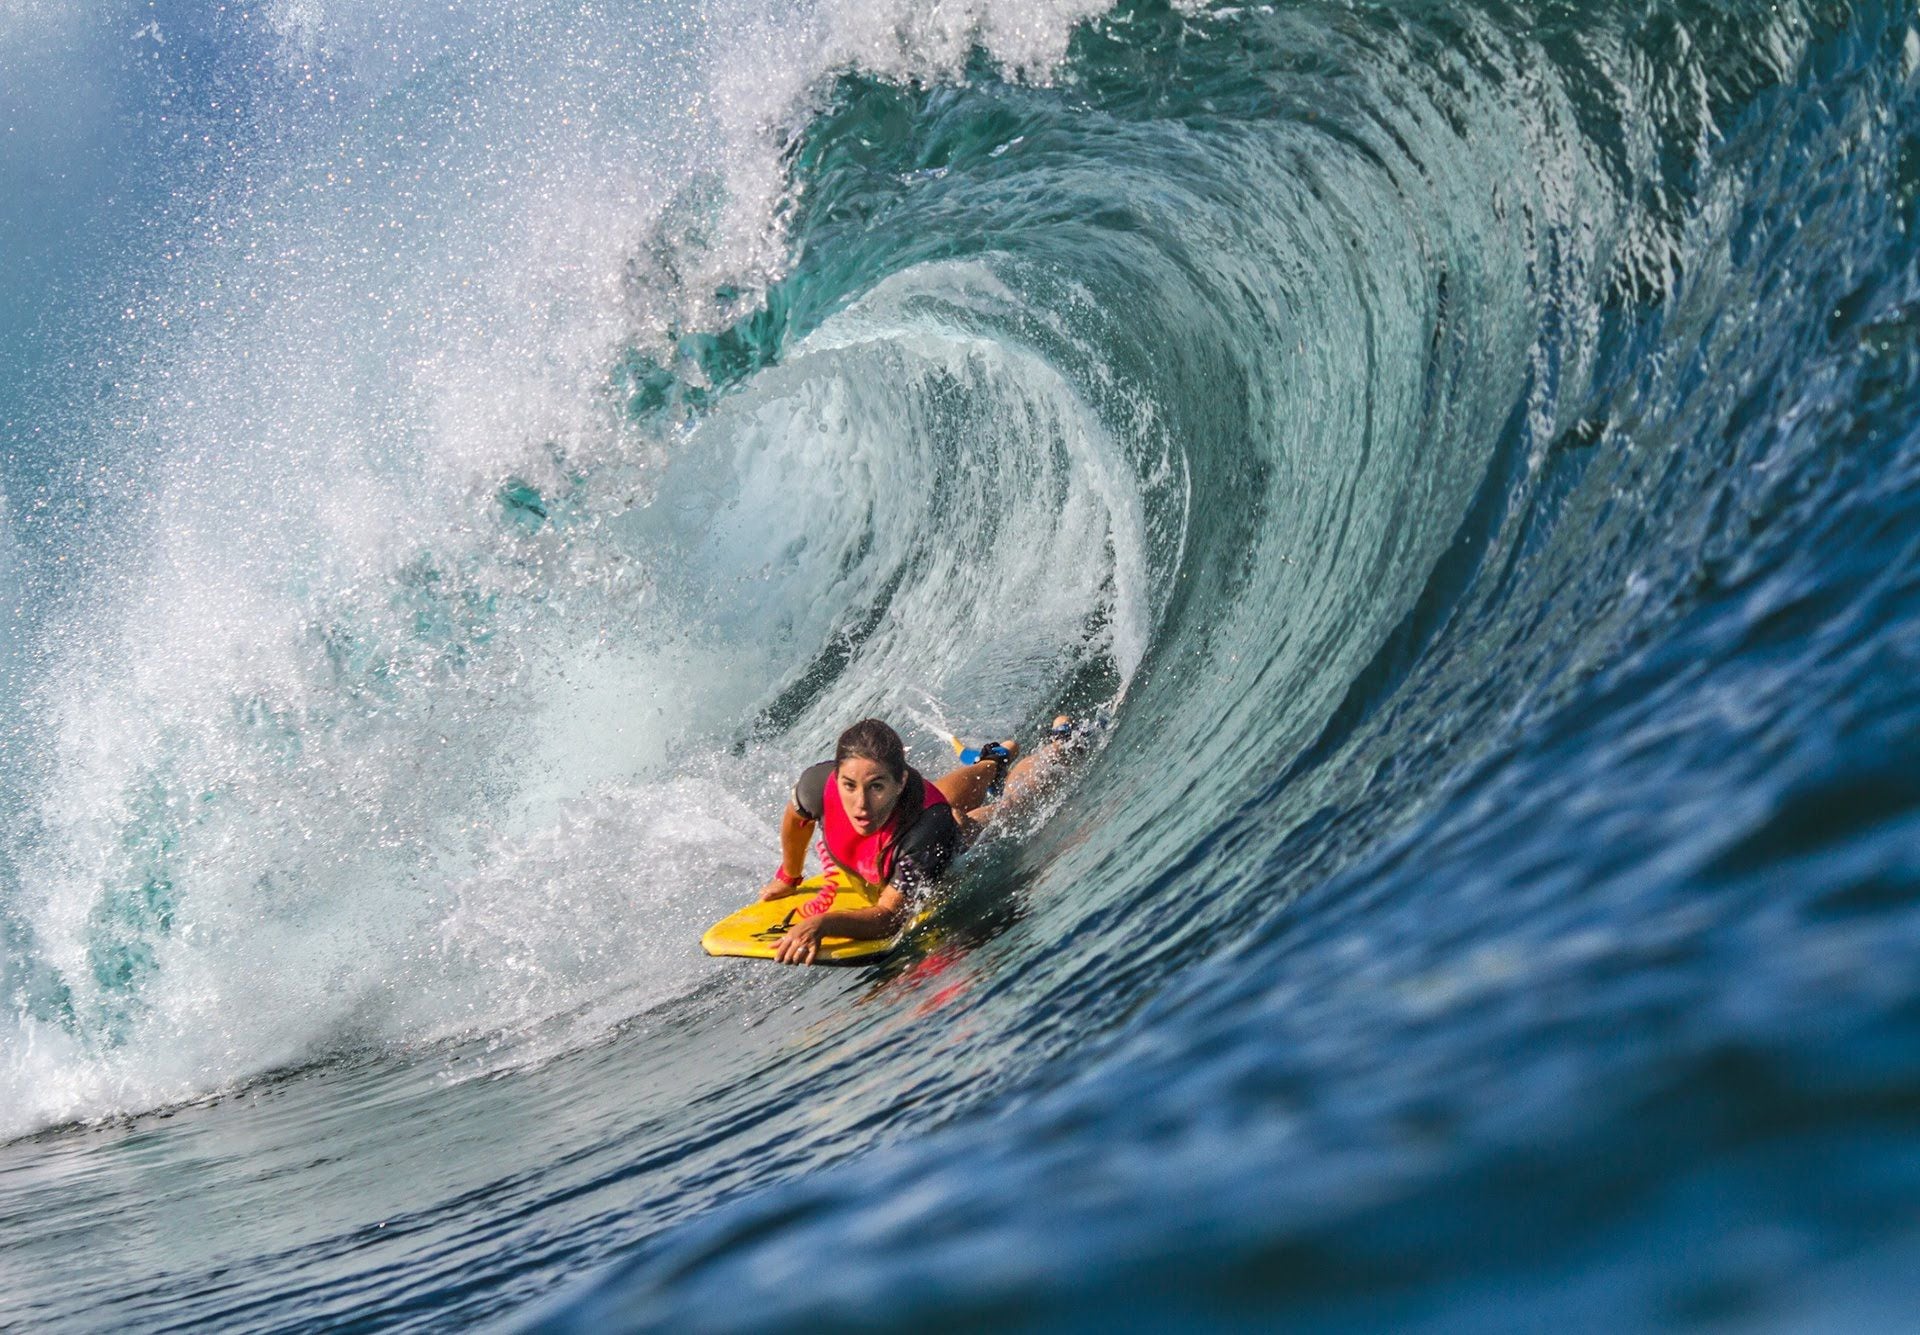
(870, 739)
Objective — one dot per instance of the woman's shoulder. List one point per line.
(810, 789)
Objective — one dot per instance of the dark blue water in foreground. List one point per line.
(456, 472)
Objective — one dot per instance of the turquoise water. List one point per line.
(459, 467)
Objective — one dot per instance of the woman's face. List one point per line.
(868, 792)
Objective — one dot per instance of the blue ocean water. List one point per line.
(459, 466)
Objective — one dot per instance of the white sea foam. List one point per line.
(334, 752)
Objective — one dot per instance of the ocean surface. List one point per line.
(459, 462)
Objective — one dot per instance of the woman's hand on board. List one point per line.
(800, 944)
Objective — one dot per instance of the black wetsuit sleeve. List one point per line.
(810, 792)
(925, 851)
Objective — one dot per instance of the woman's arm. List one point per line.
(802, 941)
(796, 832)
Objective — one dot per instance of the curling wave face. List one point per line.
(1462, 445)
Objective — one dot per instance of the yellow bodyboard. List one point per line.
(751, 932)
